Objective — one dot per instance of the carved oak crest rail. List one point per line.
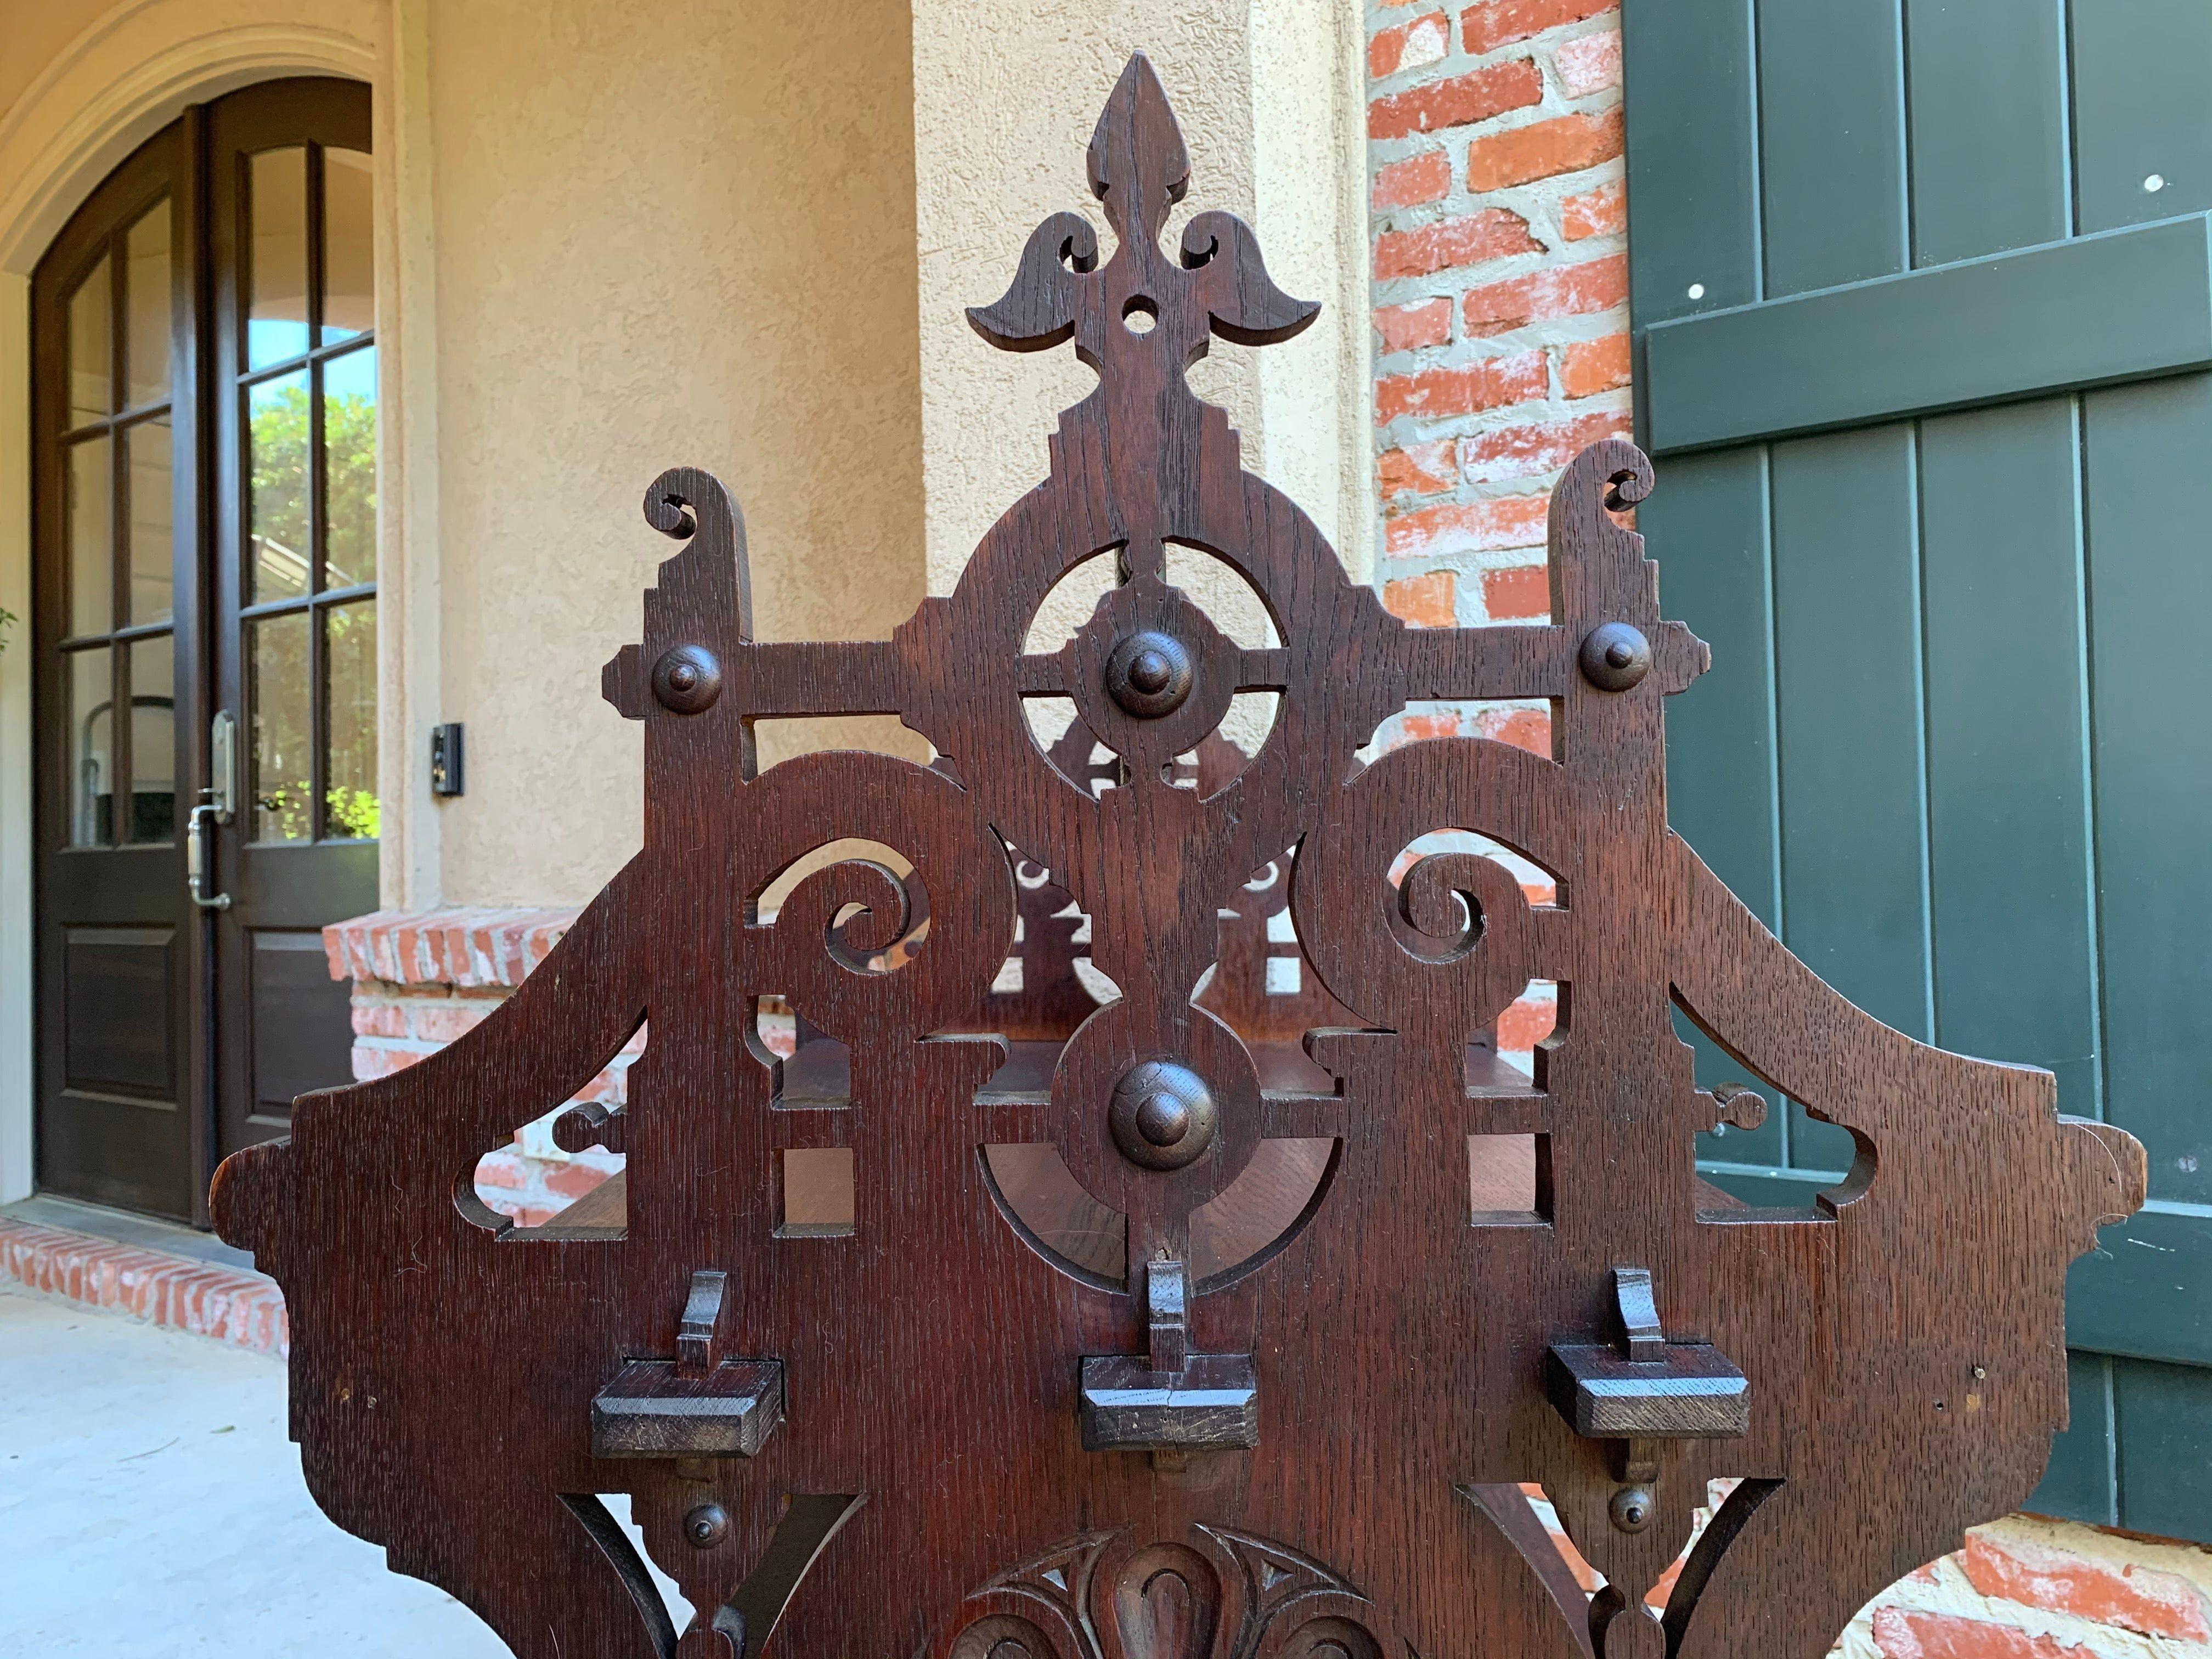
(1222, 1319)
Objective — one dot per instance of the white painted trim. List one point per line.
(17, 964)
(117, 84)
(133, 71)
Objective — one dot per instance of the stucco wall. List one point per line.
(685, 238)
(1268, 95)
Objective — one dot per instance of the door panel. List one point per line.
(118, 988)
(1847, 659)
(1832, 148)
(1946, 747)
(1989, 171)
(2008, 742)
(302, 1022)
(115, 613)
(2151, 587)
(2139, 68)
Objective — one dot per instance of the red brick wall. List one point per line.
(420, 981)
(1501, 317)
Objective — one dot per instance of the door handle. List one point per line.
(221, 793)
(216, 804)
(196, 828)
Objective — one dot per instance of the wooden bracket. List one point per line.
(1646, 1388)
(1172, 1399)
(697, 1405)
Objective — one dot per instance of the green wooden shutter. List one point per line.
(1923, 306)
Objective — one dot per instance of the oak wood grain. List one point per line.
(929, 1490)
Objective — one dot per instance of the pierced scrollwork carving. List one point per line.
(1385, 1354)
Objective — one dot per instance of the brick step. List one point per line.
(234, 1305)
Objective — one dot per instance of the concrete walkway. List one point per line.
(151, 1506)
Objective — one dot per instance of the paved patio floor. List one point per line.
(150, 1505)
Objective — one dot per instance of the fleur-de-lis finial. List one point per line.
(1138, 170)
(1137, 158)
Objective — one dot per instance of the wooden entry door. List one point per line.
(295, 652)
(120, 677)
(204, 514)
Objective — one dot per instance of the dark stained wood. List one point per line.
(1172, 1400)
(278, 1032)
(122, 1108)
(930, 1490)
(656, 1409)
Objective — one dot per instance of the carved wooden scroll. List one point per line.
(1176, 1317)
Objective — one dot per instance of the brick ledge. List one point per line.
(472, 947)
(230, 1306)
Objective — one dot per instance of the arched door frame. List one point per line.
(123, 79)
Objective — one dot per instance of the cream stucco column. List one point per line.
(1271, 96)
(676, 236)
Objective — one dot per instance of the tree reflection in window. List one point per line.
(281, 546)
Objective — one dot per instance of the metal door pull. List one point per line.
(195, 867)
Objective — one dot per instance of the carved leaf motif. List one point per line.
(1056, 1582)
(1278, 1578)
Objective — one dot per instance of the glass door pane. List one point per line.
(349, 246)
(152, 815)
(282, 723)
(153, 543)
(91, 517)
(350, 469)
(277, 526)
(92, 346)
(350, 806)
(146, 291)
(89, 679)
(276, 274)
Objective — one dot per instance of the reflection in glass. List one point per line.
(350, 468)
(146, 296)
(276, 488)
(276, 208)
(92, 350)
(148, 447)
(350, 801)
(91, 747)
(91, 539)
(153, 741)
(282, 782)
(349, 246)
